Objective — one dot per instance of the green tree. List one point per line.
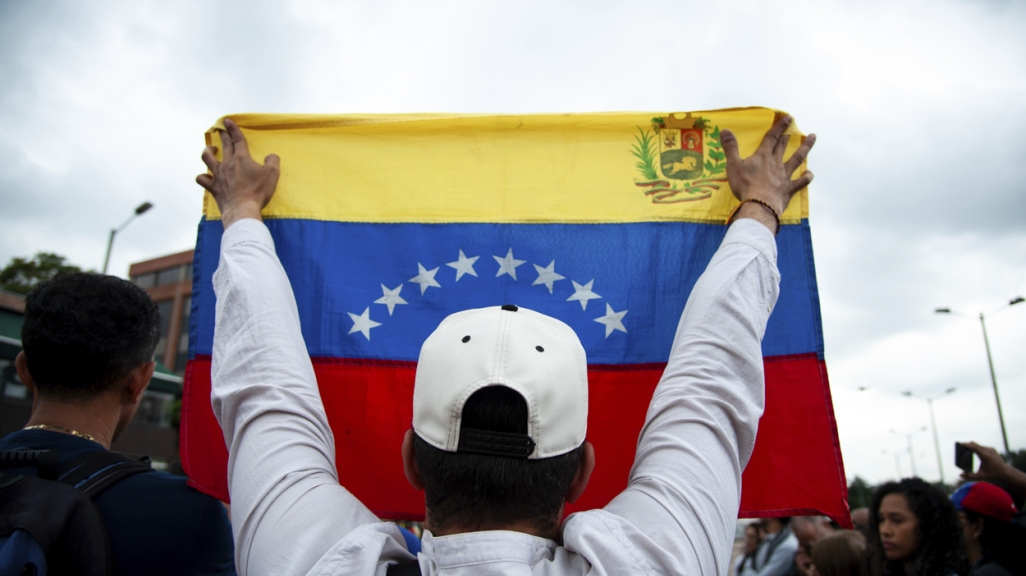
(21, 275)
(860, 493)
(1017, 459)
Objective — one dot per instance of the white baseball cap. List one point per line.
(536, 355)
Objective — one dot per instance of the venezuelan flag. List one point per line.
(387, 224)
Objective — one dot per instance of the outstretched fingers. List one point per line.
(780, 146)
(770, 141)
(227, 146)
(729, 143)
(237, 138)
(206, 181)
(800, 154)
(209, 157)
(804, 180)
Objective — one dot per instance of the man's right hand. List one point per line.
(240, 186)
(993, 468)
(764, 175)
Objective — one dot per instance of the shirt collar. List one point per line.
(486, 546)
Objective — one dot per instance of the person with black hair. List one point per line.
(500, 401)
(745, 565)
(840, 553)
(808, 529)
(776, 554)
(860, 519)
(88, 343)
(994, 543)
(914, 530)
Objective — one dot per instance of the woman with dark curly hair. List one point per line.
(914, 530)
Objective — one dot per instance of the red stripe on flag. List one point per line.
(369, 404)
(797, 456)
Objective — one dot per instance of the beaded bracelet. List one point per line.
(733, 213)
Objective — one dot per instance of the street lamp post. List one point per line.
(933, 424)
(139, 210)
(897, 462)
(990, 362)
(911, 453)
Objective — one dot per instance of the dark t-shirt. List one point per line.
(156, 523)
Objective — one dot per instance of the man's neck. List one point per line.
(96, 418)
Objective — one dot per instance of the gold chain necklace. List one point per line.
(59, 429)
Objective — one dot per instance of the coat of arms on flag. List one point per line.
(540, 211)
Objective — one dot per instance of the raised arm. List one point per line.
(685, 486)
(993, 468)
(288, 509)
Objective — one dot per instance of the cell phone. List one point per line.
(964, 457)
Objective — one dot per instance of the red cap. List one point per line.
(986, 499)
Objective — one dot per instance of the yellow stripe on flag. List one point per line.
(572, 168)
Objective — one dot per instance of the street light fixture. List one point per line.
(911, 453)
(933, 423)
(990, 360)
(139, 210)
(897, 461)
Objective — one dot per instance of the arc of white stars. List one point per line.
(508, 264)
(363, 323)
(426, 278)
(582, 293)
(612, 320)
(390, 298)
(464, 265)
(547, 275)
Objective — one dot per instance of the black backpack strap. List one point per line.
(404, 568)
(95, 472)
(45, 460)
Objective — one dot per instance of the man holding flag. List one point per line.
(499, 412)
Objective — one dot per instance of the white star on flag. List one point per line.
(426, 278)
(464, 266)
(390, 298)
(583, 293)
(508, 265)
(547, 275)
(612, 320)
(363, 323)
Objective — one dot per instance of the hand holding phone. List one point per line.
(993, 468)
(964, 457)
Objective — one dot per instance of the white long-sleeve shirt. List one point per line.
(677, 515)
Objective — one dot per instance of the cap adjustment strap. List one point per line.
(491, 443)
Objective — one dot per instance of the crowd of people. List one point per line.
(911, 528)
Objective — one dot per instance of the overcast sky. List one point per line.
(920, 192)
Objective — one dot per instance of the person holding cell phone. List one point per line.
(993, 542)
(993, 468)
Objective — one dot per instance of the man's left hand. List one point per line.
(240, 186)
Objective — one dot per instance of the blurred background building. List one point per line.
(168, 280)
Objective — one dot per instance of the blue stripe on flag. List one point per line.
(343, 275)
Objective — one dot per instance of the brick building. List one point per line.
(168, 280)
